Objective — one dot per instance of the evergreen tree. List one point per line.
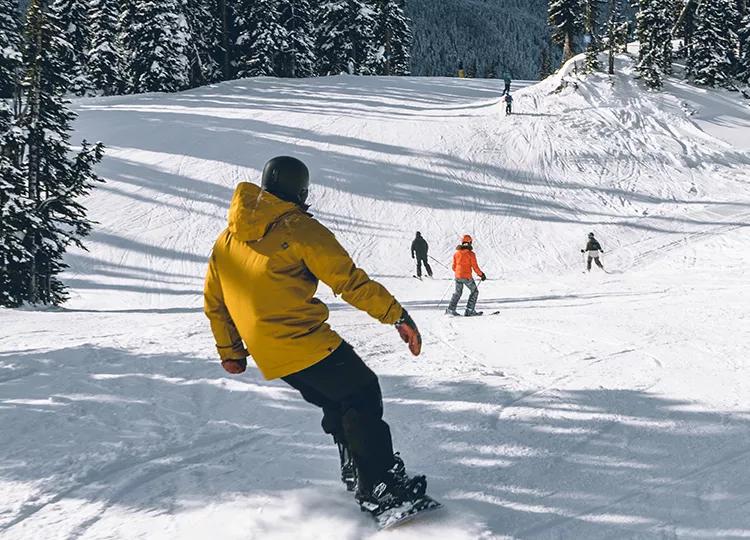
(14, 209)
(613, 25)
(54, 181)
(392, 38)
(261, 38)
(204, 42)
(344, 37)
(156, 37)
(714, 42)
(566, 23)
(591, 25)
(655, 37)
(297, 56)
(74, 22)
(104, 59)
(743, 71)
(10, 47)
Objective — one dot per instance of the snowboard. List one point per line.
(393, 517)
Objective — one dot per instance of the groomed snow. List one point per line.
(591, 406)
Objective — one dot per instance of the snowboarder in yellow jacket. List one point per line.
(260, 299)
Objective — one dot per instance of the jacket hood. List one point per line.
(462, 247)
(253, 211)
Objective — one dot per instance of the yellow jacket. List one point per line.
(262, 277)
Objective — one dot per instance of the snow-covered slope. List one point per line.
(601, 405)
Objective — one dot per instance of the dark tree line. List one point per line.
(41, 179)
(713, 36)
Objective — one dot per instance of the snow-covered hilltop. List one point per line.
(590, 406)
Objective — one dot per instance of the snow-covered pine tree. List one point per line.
(157, 41)
(566, 23)
(743, 71)
(714, 42)
(614, 22)
(297, 57)
(55, 181)
(392, 38)
(74, 21)
(591, 25)
(104, 58)
(344, 37)
(10, 46)
(14, 209)
(204, 45)
(261, 38)
(655, 37)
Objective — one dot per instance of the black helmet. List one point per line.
(591, 235)
(287, 178)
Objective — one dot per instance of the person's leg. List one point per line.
(598, 261)
(472, 303)
(419, 267)
(344, 380)
(588, 263)
(456, 295)
(427, 267)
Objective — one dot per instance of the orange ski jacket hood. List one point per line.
(464, 261)
(261, 282)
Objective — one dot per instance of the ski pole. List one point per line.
(448, 288)
(441, 264)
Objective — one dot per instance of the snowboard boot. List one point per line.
(348, 469)
(396, 489)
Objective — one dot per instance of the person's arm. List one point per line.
(413, 248)
(329, 262)
(475, 265)
(228, 341)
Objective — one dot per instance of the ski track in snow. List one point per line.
(604, 405)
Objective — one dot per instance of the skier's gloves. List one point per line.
(484, 277)
(583, 251)
(409, 332)
(235, 367)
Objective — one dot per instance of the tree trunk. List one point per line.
(568, 52)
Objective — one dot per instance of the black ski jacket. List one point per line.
(419, 248)
(593, 245)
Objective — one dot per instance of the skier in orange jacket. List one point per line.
(464, 263)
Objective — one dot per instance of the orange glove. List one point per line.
(235, 367)
(409, 332)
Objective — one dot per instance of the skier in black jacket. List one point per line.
(419, 249)
(593, 251)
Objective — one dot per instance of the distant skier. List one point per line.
(262, 277)
(507, 81)
(464, 262)
(508, 99)
(419, 249)
(593, 251)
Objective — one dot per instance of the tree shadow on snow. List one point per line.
(160, 435)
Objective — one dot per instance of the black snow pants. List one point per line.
(349, 394)
(595, 259)
(422, 260)
(508, 108)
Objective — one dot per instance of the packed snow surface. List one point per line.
(593, 405)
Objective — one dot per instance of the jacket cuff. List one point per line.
(393, 314)
(232, 352)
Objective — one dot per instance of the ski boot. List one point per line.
(453, 312)
(395, 490)
(348, 469)
(472, 313)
